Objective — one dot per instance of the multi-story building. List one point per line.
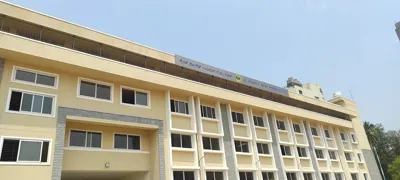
(78, 104)
(308, 89)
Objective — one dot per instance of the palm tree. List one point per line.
(372, 132)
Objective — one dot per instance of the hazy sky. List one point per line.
(340, 44)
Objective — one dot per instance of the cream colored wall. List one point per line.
(183, 158)
(244, 161)
(210, 127)
(267, 162)
(213, 160)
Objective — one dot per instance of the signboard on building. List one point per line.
(230, 76)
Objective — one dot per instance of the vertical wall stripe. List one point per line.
(1, 69)
(227, 139)
(276, 149)
(312, 151)
(372, 164)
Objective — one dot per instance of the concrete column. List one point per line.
(275, 148)
(312, 151)
(227, 141)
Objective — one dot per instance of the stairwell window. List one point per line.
(262, 148)
(96, 90)
(286, 151)
(242, 146)
(85, 139)
(129, 142)
(181, 141)
(34, 77)
(135, 97)
(208, 112)
(183, 175)
(27, 102)
(237, 117)
(179, 107)
(281, 125)
(258, 121)
(211, 143)
(24, 150)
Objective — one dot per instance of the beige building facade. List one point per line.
(78, 104)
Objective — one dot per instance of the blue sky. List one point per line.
(342, 45)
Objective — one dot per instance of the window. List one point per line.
(242, 146)
(258, 121)
(181, 141)
(296, 128)
(285, 150)
(316, 97)
(359, 157)
(366, 176)
(348, 157)
(327, 134)
(246, 175)
(24, 150)
(208, 112)
(183, 175)
(354, 176)
(134, 97)
(237, 117)
(353, 137)
(325, 176)
(262, 148)
(332, 155)
(342, 136)
(179, 107)
(338, 176)
(302, 152)
(314, 131)
(281, 125)
(35, 77)
(300, 92)
(32, 103)
(307, 176)
(214, 175)
(268, 176)
(124, 141)
(85, 139)
(291, 176)
(95, 90)
(319, 154)
(211, 143)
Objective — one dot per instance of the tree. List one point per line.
(394, 169)
(372, 132)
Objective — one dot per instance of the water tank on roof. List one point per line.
(337, 94)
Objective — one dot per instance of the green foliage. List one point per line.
(394, 169)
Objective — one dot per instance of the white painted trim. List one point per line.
(127, 139)
(80, 79)
(53, 108)
(183, 149)
(73, 148)
(182, 131)
(86, 131)
(135, 90)
(180, 114)
(15, 68)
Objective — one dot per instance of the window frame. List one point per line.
(135, 90)
(350, 155)
(267, 172)
(188, 107)
(183, 173)
(290, 150)
(344, 136)
(262, 147)
(241, 146)
(335, 153)
(207, 106)
(27, 139)
(291, 173)
(14, 73)
(322, 152)
(53, 108)
(305, 150)
(366, 176)
(354, 138)
(86, 131)
(256, 120)
(326, 174)
(351, 175)
(181, 141)
(310, 173)
(329, 133)
(360, 157)
(78, 94)
(211, 146)
(294, 129)
(284, 125)
(337, 173)
(237, 121)
(316, 131)
(127, 148)
(213, 172)
(246, 174)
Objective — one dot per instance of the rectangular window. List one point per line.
(237, 117)
(296, 128)
(32, 103)
(353, 137)
(258, 121)
(85, 139)
(24, 150)
(319, 154)
(280, 124)
(211, 143)
(246, 175)
(208, 112)
(262, 148)
(134, 97)
(366, 176)
(314, 131)
(95, 90)
(354, 176)
(35, 77)
(307, 176)
(211, 175)
(338, 176)
(268, 176)
(325, 176)
(285, 150)
(181, 141)
(342, 136)
(302, 152)
(332, 155)
(291, 176)
(242, 146)
(124, 141)
(348, 157)
(183, 175)
(327, 134)
(179, 107)
(359, 157)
